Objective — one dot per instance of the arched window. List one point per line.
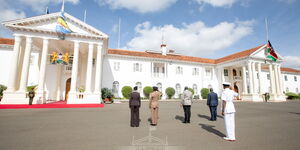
(234, 72)
(115, 89)
(178, 90)
(195, 88)
(139, 85)
(159, 86)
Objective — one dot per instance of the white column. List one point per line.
(280, 80)
(250, 78)
(98, 69)
(14, 65)
(25, 67)
(89, 69)
(43, 66)
(277, 84)
(271, 79)
(244, 80)
(259, 78)
(254, 77)
(74, 67)
(58, 83)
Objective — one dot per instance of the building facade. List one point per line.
(27, 60)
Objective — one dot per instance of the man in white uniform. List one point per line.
(228, 111)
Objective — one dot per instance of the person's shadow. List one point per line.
(207, 117)
(180, 118)
(211, 129)
(296, 113)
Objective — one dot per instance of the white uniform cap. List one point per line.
(226, 83)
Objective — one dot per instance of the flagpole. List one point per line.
(119, 34)
(63, 6)
(267, 29)
(84, 17)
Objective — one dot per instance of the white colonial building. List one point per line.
(25, 60)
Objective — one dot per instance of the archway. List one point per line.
(68, 86)
(236, 89)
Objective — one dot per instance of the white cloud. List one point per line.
(292, 61)
(190, 39)
(217, 3)
(141, 6)
(9, 14)
(40, 5)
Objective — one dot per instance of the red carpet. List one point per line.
(59, 104)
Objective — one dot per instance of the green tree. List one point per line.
(204, 93)
(126, 90)
(147, 90)
(170, 92)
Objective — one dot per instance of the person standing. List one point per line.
(134, 105)
(228, 111)
(186, 104)
(212, 103)
(153, 105)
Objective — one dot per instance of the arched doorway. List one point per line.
(236, 89)
(68, 86)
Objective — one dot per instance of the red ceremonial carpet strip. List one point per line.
(59, 104)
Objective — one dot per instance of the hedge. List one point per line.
(170, 92)
(291, 95)
(2, 88)
(147, 90)
(126, 90)
(192, 90)
(204, 93)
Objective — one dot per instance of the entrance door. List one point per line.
(68, 86)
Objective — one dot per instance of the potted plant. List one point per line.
(2, 88)
(81, 90)
(31, 93)
(107, 95)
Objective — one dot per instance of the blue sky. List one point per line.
(202, 28)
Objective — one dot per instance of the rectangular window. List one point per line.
(179, 70)
(295, 78)
(285, 77)
(137, 67)
(268, 76)
(225, 72)
(116, 66)
(195, 71)
(208, 72)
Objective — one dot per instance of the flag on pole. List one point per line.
(270, 52)
(61, 24)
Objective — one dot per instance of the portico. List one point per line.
(246, 77)
(38, 33)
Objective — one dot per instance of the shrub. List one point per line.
(192, 90)
(204, 93)
(196, 97)
(2, 88)
(291, 95)
(105, 92)
(31, 88)
(126, 90)
(147, 90)
(170, 92)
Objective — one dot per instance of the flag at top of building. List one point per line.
(270, 52)
(61, 25)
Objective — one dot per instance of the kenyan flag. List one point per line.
(271, 54)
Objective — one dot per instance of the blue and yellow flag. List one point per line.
(61, 24)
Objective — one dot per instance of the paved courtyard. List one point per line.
(259, 126)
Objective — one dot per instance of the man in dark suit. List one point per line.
(212, 103)
(134, 105)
